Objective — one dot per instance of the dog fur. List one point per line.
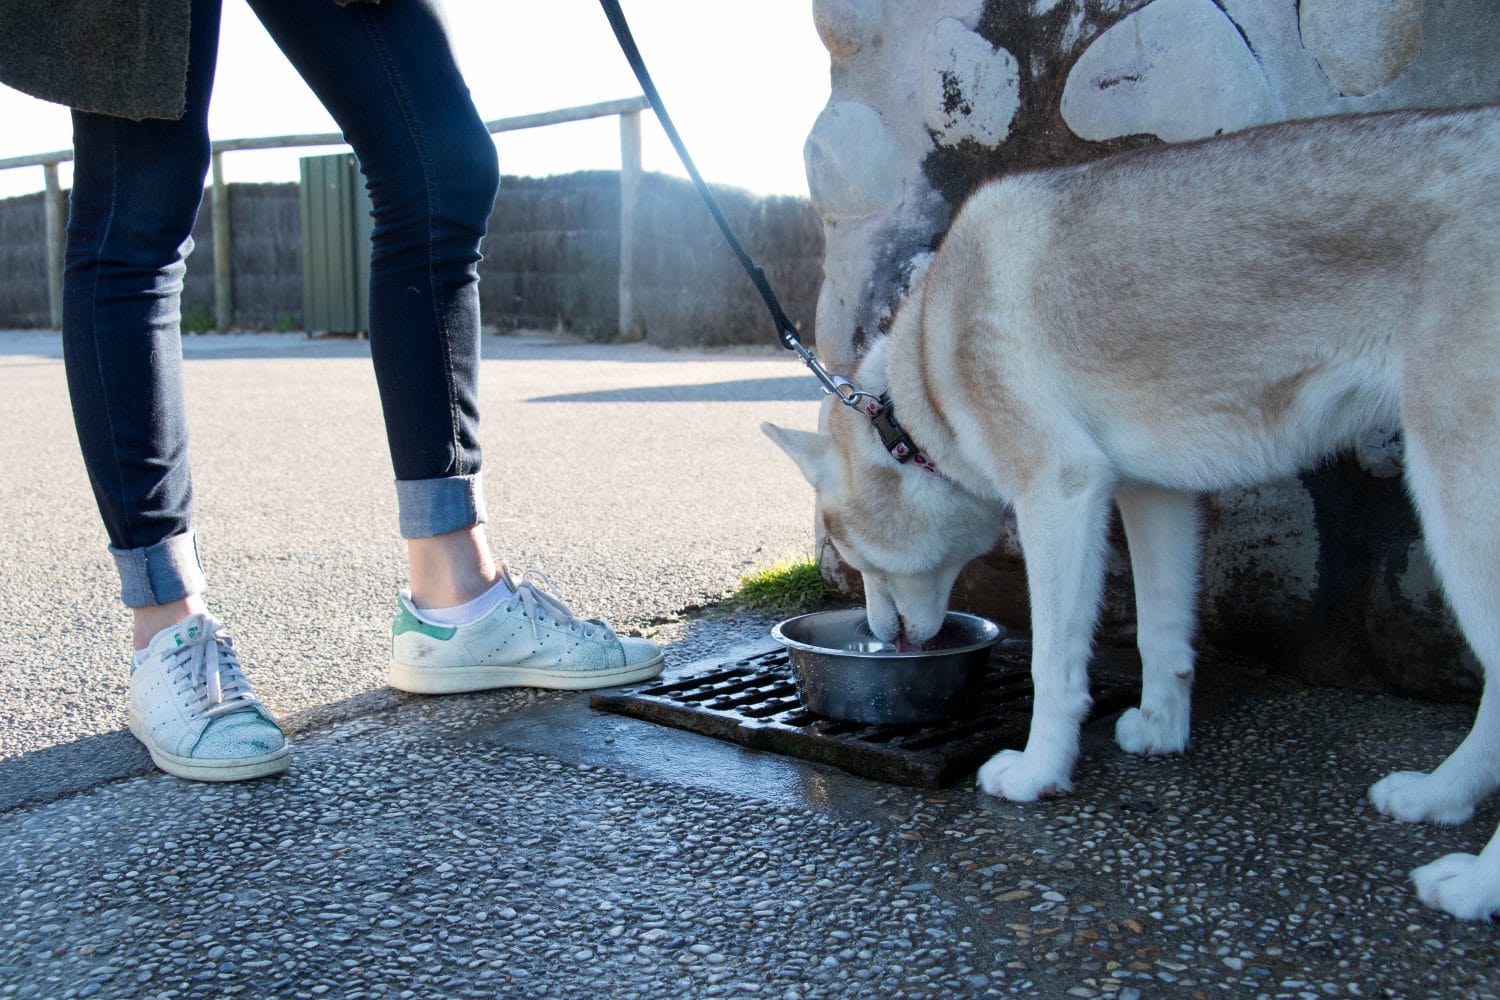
(1175, 320)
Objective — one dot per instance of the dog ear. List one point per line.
(809, 449)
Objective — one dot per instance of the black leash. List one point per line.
(785, 329)
(878, 408)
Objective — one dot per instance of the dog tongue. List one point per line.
(905, 645)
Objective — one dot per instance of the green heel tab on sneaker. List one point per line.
(408, 622)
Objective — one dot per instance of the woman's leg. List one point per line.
(136, 190)
(386, 73)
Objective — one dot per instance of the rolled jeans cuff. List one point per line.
(167, 571)
(436, 506)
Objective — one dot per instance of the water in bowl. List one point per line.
(868, 644)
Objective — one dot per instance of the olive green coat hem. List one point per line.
(117, 57)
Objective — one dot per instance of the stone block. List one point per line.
(1361, 45)
(845, 26)
(971, 88)
(853, 169)
(1175, 69)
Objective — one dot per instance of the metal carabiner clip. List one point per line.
(837, 385)
(847, 392)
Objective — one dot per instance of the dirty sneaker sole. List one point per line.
(235, 769)
(456, 680)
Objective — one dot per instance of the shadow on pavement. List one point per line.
(65, 769)
(794, 389)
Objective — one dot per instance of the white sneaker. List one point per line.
(531, 640)
(193, 708)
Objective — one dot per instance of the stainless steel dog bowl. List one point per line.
(844, 672)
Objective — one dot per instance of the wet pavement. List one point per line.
(520, 844)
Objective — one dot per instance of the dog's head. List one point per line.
(906, 529)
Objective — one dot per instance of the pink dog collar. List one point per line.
(882, 413)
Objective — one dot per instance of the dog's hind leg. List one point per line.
(1062, 528)
(1162, 529)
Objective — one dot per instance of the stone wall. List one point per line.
(267, 271)
(1324, 574)
(551, 261)
(267, 261)
(23, 264)
(552, 257)
(690, 289)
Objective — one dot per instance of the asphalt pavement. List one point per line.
(636, 479)
(520, 844)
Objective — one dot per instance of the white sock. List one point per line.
(471, 611)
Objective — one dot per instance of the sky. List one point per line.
(742, 81)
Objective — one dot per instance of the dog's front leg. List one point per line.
(1465, 885)
(1457, 502)
(1161, 527)
(1062, 528)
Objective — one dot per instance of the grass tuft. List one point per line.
(786, 587)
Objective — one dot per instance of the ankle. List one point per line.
(451, 569)
(468, 612)
(152, 618)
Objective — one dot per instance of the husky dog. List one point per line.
(1175, 320)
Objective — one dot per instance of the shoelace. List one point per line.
(209, 669)
(539, 598)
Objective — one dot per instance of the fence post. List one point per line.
(630, 191)
(55, 215)
(223, 251)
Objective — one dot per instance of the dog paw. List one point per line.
(1011, 775)
(1414, 797)
(1460, 884)
(1147, 734)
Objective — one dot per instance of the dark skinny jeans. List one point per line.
(386, 74)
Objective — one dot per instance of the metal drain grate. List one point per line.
(753, 702)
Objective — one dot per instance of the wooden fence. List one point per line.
(600, 254)
(628, 110)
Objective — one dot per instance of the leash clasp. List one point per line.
(836, 385)
(848, 393)
(879, 409)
